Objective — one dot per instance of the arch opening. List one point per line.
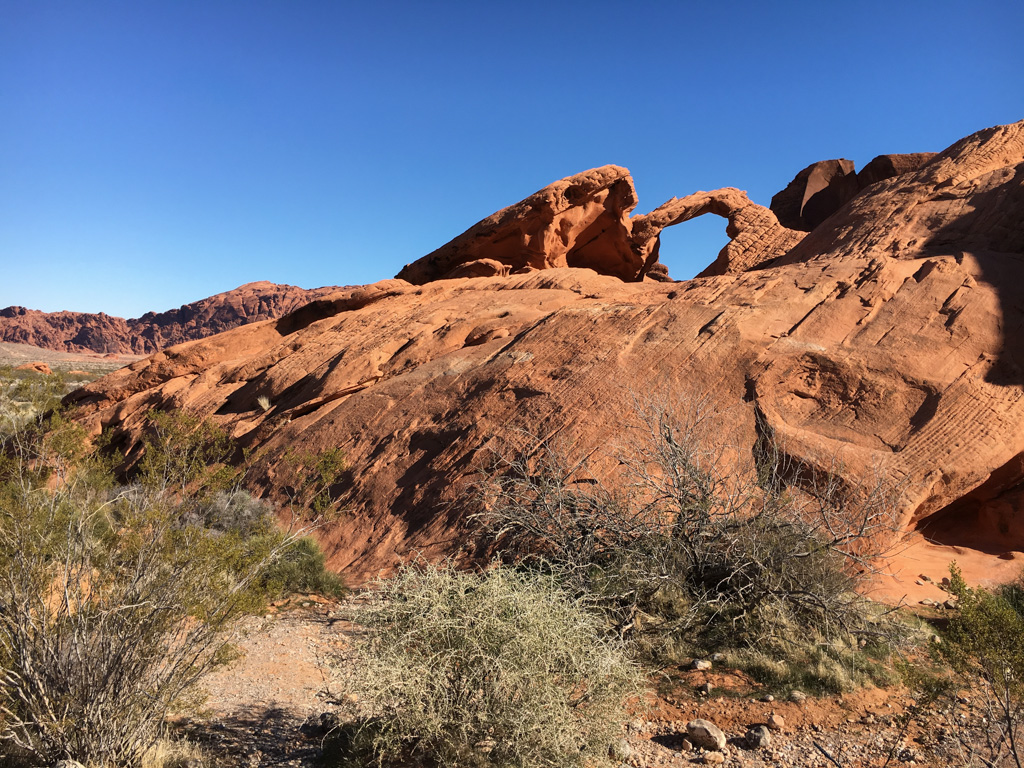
(690, 246)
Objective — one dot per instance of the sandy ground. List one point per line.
(914, 571)
(18, 354)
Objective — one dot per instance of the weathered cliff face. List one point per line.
(85, 332)
(887, 337)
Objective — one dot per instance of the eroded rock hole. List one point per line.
(688, 247)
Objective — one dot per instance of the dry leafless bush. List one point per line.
(697, 540)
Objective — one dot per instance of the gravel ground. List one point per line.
(264, 708)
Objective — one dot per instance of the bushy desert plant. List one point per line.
(186, 454)
(111, 612)
(316, 475)
(233, 511)
(302, 567)
(984, 646)
(115, 600)
(503, 668)
(698, 547)
(26, 395)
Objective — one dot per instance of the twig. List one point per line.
(824, 751)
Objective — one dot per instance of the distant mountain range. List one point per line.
(102, 333)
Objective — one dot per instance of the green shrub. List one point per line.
(233, 511)
(984, 646)
(115, 600)
(302, 567)
(25, 396)
(185, 453)
(316, 477)
(112, 611)
(503, 668)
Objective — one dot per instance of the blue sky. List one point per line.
(154, 153)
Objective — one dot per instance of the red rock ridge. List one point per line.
(86, 332)
(584, 221)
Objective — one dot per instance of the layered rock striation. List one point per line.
(888, 337)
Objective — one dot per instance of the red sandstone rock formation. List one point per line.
(887, 337)
(37, 367)
(887, 166)
(84, 332)
(822, 188)
(65, 331)
(815, 193)
(755, 233)
(581, 221)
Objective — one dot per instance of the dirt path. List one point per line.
(263, 708)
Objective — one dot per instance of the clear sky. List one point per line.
(154, 153)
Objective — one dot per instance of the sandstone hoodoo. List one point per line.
(85, 332)
(887, 337)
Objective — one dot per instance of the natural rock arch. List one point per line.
(755, 235)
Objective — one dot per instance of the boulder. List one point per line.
(889, 166)
(822, 188)
(815, 193)
(758, 737)
(705, 735)
(37, 367)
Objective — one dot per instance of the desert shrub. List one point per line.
(302, 567)
(699, 550)
(29, 390)
(316, 477)
(173, 753)
(112, 611)
(185, 453)
(503, 668)
(233, 511)
(984, 646)
(115, 600)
